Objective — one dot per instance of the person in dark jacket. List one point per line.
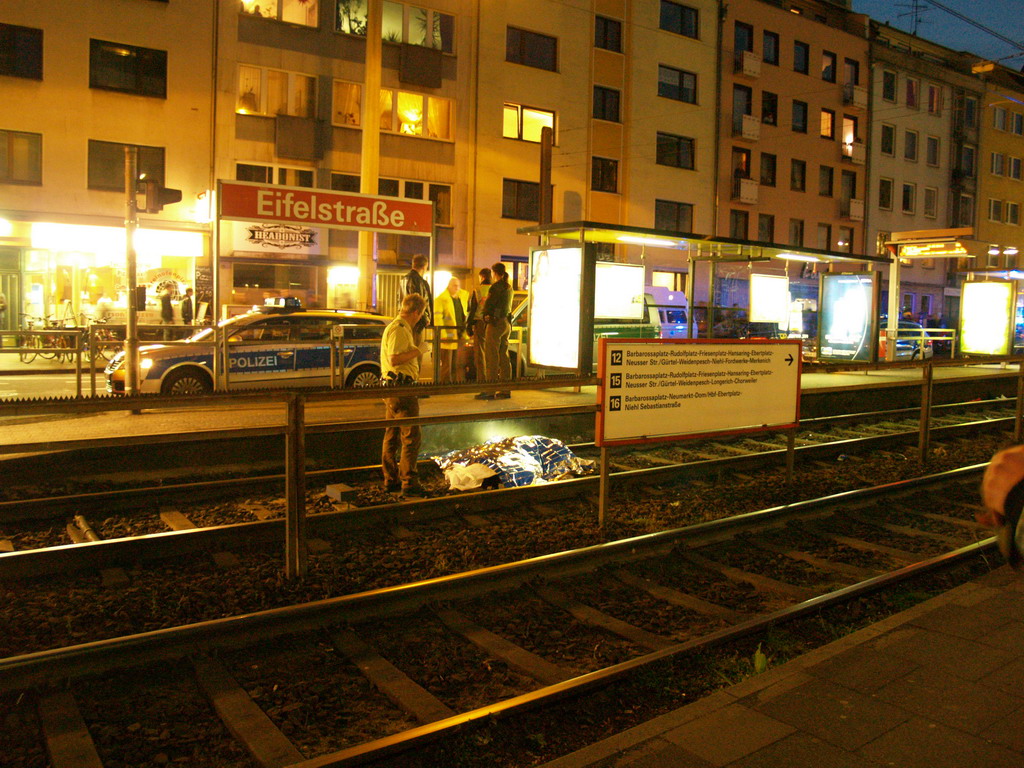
(475, 325)
(497, 313)
(414, 282)
(187, 308)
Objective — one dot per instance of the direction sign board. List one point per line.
(668, 389)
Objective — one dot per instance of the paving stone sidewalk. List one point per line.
(940, 685)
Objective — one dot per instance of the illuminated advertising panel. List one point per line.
(986, 318)
(556, 311)
(619, 291)
(848, 325)
(769, 300)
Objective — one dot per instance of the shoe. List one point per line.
(413, 490)
(484, 396)
(502, 395)
(392, 487)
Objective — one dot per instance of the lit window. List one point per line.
(415, 114)
(273, 92)
(347, 103)
(304, 12)
(413, 25)
(526, 122)
(828, 124)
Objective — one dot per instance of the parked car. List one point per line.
(912, 342)
(269, 347)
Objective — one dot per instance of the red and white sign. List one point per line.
(245, 201)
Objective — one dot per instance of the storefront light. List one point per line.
(110, 241)
(6, 228)
(343, 275)
(799, 257)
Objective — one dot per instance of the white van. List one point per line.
(671, 308)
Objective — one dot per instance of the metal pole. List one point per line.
(790, 454)
(924, 437)
(296, 564)
(1018, 422)
(892, 325)
(605, 487)
(369, 156)
(131, 221)
(78, 364)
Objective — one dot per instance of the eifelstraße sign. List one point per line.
(245, 201)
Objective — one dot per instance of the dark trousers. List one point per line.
(496, 363)
(401, 444)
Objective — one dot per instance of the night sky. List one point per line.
(1003, 16)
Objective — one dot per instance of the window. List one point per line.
(531, 49)
(106, 164)
(677, 217)
(678, 18)
(439, 194)
(347, 104)
(910, 145)
(995, 210)
(801, 57)
(998, 163)
(888, 143)
(520, 199)
(965, 211)
(351, 17)
(344, 182)
(739, 224)
(934, 100)
(770, 48)
(21, 52)
(999, 118)
(828, 66)
(909, 197)
(826, 180)
(769, 108)
(1013, 213)
(931, 150)
(608, 34)
(825, 237)
(768, 165)
(888, 85)
(604, 174)
(970, 111)
(968, 159)
(525, 123)
(796, 232)
(913, 89)
(741, 162)
(845, 241)
(677, 84)
(799, 116)
(675, 151)
(931, 202)
(304, 12)
(415, 114)
(798, 175)
(766, 228)
(128, 69)
(885, 194)
(274, 174)
(21, 158)
(606, 104)
(413, 25)
(743, 37)
(273, 92)
(1017, 123)
(828, 124)
(851, 72)
(742, 104)
(1013, 168)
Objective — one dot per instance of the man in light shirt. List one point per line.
(400, 365)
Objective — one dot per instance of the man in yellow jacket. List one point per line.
(450, 309)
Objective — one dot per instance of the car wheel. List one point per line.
(363, 377)
(187, 381)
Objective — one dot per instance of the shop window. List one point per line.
(801, 57)
(21, 158)
(127, 68)
(347, 104)
(303, 12)
(415, 114)
(274, 92)
(274, 174)
(106, 164)
(770, 48)
(21, 52)
(675, 151)
(520, 199)
(606, 104)
(525, 123)
(604, 174)
(608, 34)
(253, 283)
(531, 49)
(677, 84)
(673, 216)
(680, 19)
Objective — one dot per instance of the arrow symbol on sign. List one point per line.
(790, 359)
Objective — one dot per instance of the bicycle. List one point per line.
(107, 344)
(31, 340)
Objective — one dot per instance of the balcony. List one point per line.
(852, 209)
(746, 127)
(747, 64)
(745, 190)
(855, 152)
(855, 96)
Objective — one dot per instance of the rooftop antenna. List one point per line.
(916, 10)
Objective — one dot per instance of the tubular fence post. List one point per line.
(92, 361)
(790, 454)
(924, 437)
(605, 487)
(78, 363)
(296, 564)
(1018, 422)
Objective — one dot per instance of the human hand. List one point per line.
(1004, 472)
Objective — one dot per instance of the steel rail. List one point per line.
(33, 563)
(18, 672)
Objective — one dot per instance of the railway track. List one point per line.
(374, 674)
(119, 528)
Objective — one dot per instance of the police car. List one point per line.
(268, 347)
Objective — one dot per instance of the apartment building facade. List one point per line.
(78, 86)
